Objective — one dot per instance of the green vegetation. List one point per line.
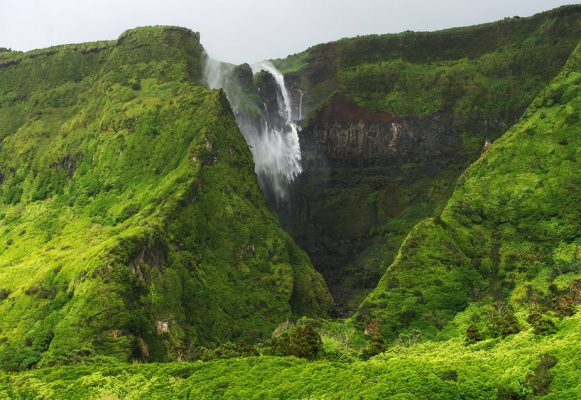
(507, 243)
(132, 229)
(459, 87)
(302, 341)
(505, 66)
(131, 222)
(518, 367)
(492, 69)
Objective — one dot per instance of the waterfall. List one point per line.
(273, 140)
(279, 78)
(214, 72)
(301, 106)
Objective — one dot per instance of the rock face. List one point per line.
(366, 177)
(268, 92)
(345, 134)
(376, 144)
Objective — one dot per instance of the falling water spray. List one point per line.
(273, 140)
(301, 105)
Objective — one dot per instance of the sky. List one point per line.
(249, 30)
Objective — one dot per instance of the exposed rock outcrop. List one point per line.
(367, 176)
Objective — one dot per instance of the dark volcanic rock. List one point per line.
(363, 143)
(268, 91)
(368, 178)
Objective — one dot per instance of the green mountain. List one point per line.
(509, 235)
(132, 225)
(439, 202)
(519, 190)
(393, 120)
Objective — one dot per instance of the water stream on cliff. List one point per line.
(273, 139)
(301, 106)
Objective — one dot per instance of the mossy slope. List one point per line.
(132, 224)
(508, 234)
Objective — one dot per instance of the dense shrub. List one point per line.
(472, 335)
(540, 379)
(501, 320)
(542, 324)
(303, 342)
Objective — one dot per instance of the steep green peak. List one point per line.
(140, 227)
(162, 44)
(157, 44)
(144, 36)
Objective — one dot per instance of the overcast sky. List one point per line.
(245, 30)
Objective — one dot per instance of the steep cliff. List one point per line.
(392, 122)
(132, 225)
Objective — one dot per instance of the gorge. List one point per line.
(384, 216)
(391, 122)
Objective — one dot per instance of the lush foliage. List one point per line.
(131, 221)
(493, 69)
(132, 229)
(302, 341)
(518, 367)
(508, 240)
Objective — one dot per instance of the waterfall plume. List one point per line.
(269, 130)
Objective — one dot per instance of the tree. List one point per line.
(302, 342)
(472, 335)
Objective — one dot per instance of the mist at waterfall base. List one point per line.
(271, 132)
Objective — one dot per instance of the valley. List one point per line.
(384, 216)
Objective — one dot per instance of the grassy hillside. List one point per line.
(131, 223)
(507, 241)
(440, 96)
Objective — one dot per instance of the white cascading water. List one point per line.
(214, 72)
(277, 154)
(275, 148)
(301, 106)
